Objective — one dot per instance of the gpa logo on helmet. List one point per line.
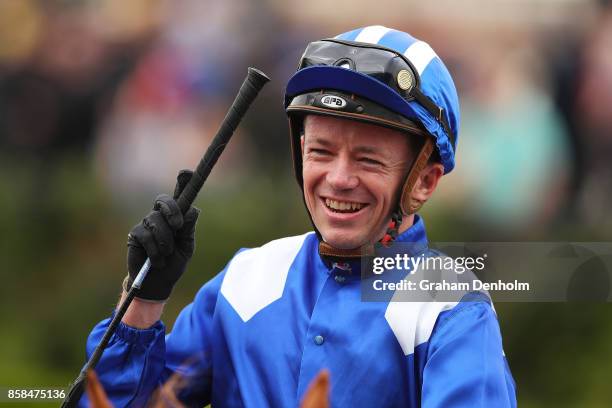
(333, 101)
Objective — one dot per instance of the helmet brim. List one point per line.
(346, 80)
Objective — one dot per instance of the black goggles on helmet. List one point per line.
(383, 64)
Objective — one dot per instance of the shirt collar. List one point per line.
(416, 233)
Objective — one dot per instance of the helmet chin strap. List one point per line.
(393, 227)
(407, 205)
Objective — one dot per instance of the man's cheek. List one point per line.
(309, 197)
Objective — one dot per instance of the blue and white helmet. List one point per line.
(378, 75)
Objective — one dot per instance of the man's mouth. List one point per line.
(343, 206)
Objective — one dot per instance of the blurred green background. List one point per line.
(102, 102)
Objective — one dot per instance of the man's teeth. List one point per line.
(343, 205)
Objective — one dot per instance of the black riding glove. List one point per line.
(165, 236)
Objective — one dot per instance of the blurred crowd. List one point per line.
(140, 87)
(102, 102)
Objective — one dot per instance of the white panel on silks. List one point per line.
(256, 277)
(413, 322)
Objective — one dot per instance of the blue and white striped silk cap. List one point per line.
(435, 82)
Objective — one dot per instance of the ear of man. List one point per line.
(427, 181)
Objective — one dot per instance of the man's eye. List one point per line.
(368, 160)
(320, 152)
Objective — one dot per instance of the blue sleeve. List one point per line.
(137, 361)
(466, 366)
(131, 364)
(189, 345)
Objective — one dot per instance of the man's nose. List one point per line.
(341, 176)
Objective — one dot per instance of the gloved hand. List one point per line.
(165, 236)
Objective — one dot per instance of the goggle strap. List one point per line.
(436, 111)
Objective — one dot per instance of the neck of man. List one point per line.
(327, 250)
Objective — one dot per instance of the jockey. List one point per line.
(374, 119)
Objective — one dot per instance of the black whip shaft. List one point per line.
(252, 84)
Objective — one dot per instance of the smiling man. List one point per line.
(374, 117)
(352, 174)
